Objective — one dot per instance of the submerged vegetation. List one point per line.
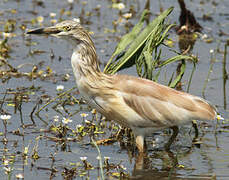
(48, 131)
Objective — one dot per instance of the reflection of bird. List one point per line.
(140, 104)
(188, 23)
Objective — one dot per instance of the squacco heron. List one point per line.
(137, 103)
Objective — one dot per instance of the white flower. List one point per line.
(76, 20)
(56, 118)
(19, 176)
(60, 88)
(70, 1)
(83, 115)
(119, 6)
(78, 126)
(8, 35)
(219, 117)
(211, 51)
(86, 121)
(40, 19)
(205, 36)
(106, 157)
(52, 15)
(26, 150)
(59, 107)
(7, 170)
(93, 111)
(103, 118)
(66, 120)
(6, 162)
(83, 158)
(98, 6)
(184, 27)
(5, 117)
(121, 166)
(127, 15)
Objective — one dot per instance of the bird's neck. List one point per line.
(89, 79)
(87, 57)
(84, 61)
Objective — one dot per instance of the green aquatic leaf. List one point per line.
(128, 38)
(177, 58)
(180, 75)
(152, 29)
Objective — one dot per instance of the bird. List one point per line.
(140, 104)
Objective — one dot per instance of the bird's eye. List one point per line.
(67, 28)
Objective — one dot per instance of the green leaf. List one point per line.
(164, 35)
(180, 75)
(128, 38)
(190, 80)
(152, 28)
(176, 58)
(148, 59)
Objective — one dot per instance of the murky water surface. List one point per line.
(42, 147)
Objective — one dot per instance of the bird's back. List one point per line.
(159, 105)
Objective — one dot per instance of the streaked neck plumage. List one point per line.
(86, 68)
(84, 59)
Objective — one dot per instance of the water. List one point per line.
(58, 158)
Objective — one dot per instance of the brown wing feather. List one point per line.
(161, 104)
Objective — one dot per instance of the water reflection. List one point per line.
(164, 164)
(144, 163)
(225, 77)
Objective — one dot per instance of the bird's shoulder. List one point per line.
(145, 87)
(141, 91)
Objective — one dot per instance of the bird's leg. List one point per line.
(195, 140)
(140, 143)
(172, 138)
(141, 161)
(194, 125)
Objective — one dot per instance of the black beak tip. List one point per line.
(35, 31)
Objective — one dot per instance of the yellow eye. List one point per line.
(67, 28)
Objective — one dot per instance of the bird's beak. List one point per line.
(47, 30)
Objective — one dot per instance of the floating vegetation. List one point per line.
(48, 132)
(4, 48)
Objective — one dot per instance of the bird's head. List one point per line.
(73, 32)
(69, 29)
